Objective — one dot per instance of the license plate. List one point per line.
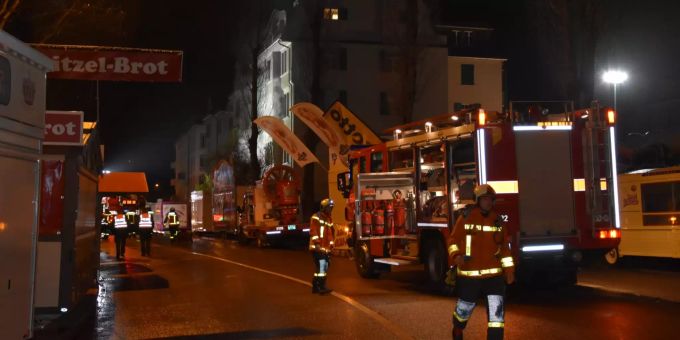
(292, 227)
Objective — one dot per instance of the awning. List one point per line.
(123, 182)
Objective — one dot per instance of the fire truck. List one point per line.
(554, 174)
(270, 213)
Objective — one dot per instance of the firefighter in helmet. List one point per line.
(479, 247)
(172, 223)
(321, 235)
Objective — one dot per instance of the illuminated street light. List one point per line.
(615, 77)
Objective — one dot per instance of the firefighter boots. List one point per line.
(322, 286)
(315, 285)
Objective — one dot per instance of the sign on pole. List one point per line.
(113, 63)
(63, 128)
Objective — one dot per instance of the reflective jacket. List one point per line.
(483, 242)
(146, 221)
(172, 219)
(120, 221)
(321, 233)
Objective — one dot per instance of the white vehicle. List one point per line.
(22, 120)
(650, 213)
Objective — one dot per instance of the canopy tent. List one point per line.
(123, 182)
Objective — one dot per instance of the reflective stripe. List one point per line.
(480, 272)
(453, 249)
(468, 245)
(119, 222)
(145, 222)
(331, 243)
(321, 232)
(455, 315)
(507, 262)
(485, 228)
(496, 324)
(320, 274)
(315, 237)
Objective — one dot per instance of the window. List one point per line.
(362, 165)
(384, 104)
(342, 97)
(202, 141)
(376, 162)
(467, 74)
(267, 70)
(401, 160)
(660, 203)
(284, 62)
(201, 162)
(335, 13)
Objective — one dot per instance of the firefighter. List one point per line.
(132, 218)
(120, 226)
(172, 223)
(321, 235)
(145, 230)
(480, 249)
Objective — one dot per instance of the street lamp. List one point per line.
(615, 77)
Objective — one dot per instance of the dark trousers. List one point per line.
(145, 240)
(469, 291)
(174, 231)
(121, 237)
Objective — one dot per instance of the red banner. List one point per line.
(63, 128)
(112, 63)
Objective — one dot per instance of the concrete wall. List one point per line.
(488, 83)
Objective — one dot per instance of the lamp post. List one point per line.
(615, 77)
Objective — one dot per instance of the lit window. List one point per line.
(335, 13)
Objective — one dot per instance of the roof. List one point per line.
(123, 182)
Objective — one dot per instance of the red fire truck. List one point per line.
(554, 174)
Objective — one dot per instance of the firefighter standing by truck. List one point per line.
(480, 249)
(120, 226)
(321, 235)
(172, 222)
(145, 230)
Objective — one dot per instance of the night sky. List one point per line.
(140, 121)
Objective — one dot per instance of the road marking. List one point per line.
(396, 330)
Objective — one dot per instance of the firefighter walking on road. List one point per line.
(120, 226)
(145, 231)
(480, 249)
(321, 235)
(172, 222)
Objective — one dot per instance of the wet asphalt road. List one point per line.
(217, 289)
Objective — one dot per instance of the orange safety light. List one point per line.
(603, 234)
(611, 116)
(613, 233)
(482, 117)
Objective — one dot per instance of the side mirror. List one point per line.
(344, 183)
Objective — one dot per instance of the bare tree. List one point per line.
(9, 7)
(254, 23)
(408, 29)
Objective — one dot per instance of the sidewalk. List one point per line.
(640, 277)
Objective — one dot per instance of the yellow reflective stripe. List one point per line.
(321, 274)
(496, 324)
(315, 218)
(468, 245)
(480, 272)
(315, 237)
(321, 232)
(485, 228)
(455, 315)
(507, 262)
(453, 249)
(331, 243)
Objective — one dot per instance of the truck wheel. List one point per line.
(364, 261)
(612, 256)
(241, 236)
(436, 264)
